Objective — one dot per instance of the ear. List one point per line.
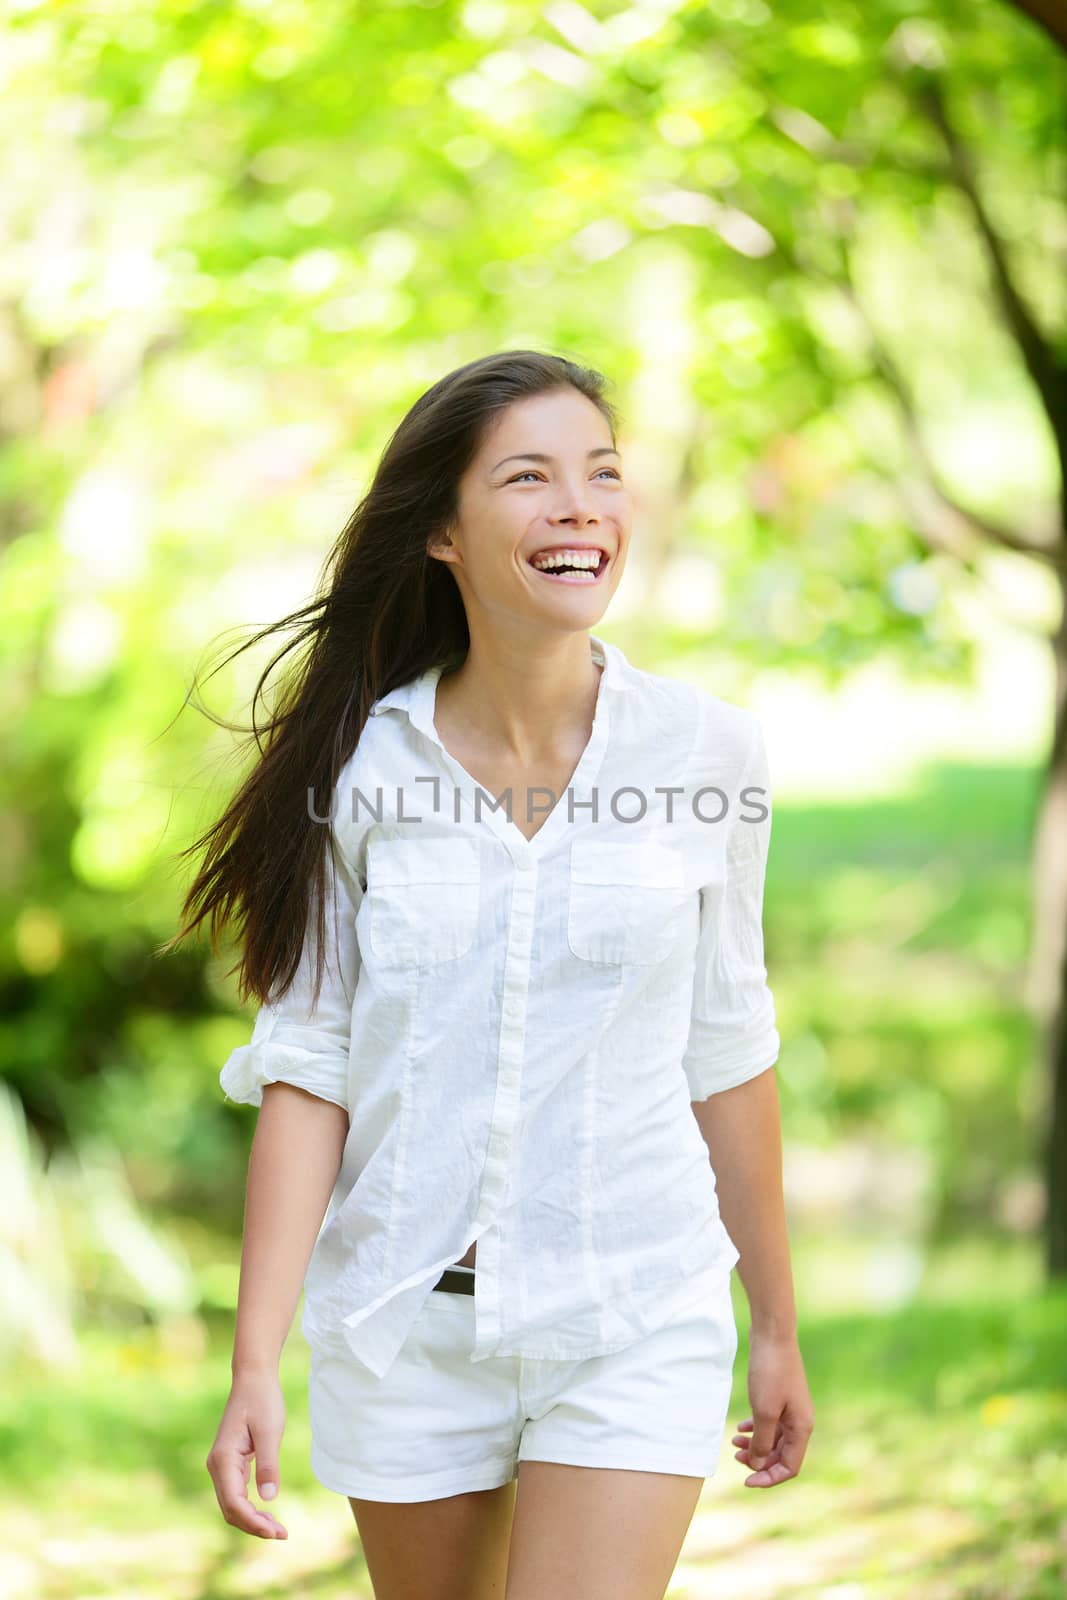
(440, 546)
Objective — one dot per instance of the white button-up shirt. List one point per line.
(517, 1027)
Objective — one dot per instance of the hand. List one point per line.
(783, 1415)
(252, 1425)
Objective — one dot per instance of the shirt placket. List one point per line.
(500, 1152)
(491, 1274)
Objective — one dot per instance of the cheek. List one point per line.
(494, 570)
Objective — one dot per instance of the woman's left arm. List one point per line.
(729, 1063)
(742, 1130)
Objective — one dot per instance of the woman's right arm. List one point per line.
(293, 1165)
(295, 1070)
(292, 1168)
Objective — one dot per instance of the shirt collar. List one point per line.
(416, 696)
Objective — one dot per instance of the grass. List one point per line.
(936, 1467)
(936, 1356)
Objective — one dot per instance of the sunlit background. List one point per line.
(819, 251)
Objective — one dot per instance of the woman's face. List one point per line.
(515, 507)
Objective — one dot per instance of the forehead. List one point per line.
(545, 435)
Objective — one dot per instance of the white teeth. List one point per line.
(588, 559)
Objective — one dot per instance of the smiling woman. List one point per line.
(568, 521)
(497, 1023)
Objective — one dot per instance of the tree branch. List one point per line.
(1037, 353)
(1054, 555)
(1048, 14)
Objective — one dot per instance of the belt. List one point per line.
(456, 1282)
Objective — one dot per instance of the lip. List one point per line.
(571, 578)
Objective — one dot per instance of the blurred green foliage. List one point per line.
(239, 240)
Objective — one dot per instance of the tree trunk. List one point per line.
(1048, 975)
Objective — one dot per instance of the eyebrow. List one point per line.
(531, 455)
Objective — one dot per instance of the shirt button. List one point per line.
(524, 864)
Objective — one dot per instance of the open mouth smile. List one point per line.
(573, 564)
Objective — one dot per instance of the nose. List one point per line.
(582, 509)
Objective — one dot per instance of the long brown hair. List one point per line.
(385, 611)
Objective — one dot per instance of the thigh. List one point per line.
(613, 1457)
(597, 1533)
(454, 1548)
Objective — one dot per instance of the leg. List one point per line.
(597, 1533)
(455, 1548)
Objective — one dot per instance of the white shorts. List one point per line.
(439, 1424)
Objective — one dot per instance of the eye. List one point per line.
(530, 473)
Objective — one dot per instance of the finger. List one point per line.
(763, 1445)
(793, 1450)
(240, 1511)
(243, 1514)
(266, 1442)
(767, 1477)
(231, 1492)
(745, 1454)
(748, 1447)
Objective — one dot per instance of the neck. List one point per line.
(520, 698)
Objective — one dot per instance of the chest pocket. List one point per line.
(628, 901)
(422, 899)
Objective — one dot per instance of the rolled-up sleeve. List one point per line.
(733, 1034)
(292, 1040)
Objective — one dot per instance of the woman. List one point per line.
(531, 1003)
